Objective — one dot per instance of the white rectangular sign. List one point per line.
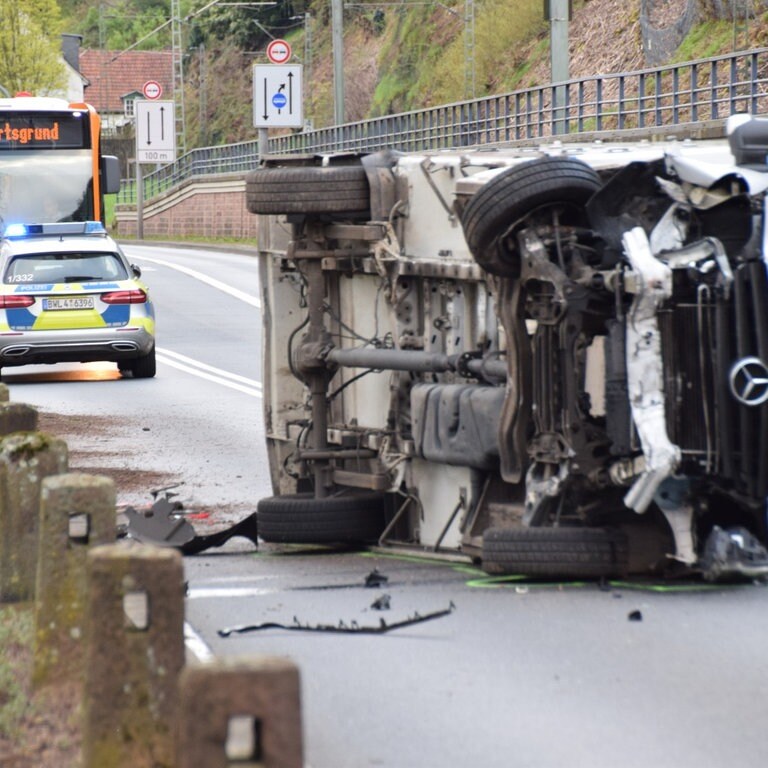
(155, 131)
(277, 100)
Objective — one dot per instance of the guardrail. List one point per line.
(685, 94)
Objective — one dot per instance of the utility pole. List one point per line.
(558, 13)
(470, 84)
(202, 96)
(741, 10)
(177, 51)
(337, 35)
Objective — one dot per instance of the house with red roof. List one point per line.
(115, 80)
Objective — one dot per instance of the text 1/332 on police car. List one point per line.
(69, 294)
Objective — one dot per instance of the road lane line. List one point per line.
(196, 645)
(207, 593)
(224, 378)
(211, 369)
(254, 301)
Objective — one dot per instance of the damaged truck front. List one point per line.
(552, 360)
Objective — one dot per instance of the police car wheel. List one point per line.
(561, 552)
(502, 206)
(144, 367)
(341, 189)
(302, 519)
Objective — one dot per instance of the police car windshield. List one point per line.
(75, 267)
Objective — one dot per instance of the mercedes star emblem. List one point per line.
(749, 381)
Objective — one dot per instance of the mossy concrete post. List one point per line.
(240, 711)
(135, 651)
(16, 417)
(26, 459)
(77, 513)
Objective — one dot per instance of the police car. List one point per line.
(68, 294)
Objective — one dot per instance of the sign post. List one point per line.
(155, 140)
(277, 97)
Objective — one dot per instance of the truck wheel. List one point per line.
(308, 189)
(555, 552)
(518, 196)
(303, 519)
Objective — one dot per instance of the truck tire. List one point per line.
(506, 202)
(341, 189)
(303, 519)
(555, 552)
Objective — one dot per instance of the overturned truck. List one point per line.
(552, 360)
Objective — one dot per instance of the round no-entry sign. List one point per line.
(279, 51)
(152, 89)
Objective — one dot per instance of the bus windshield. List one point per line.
(39, 186)
(49, 161)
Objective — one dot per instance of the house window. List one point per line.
(128, 107)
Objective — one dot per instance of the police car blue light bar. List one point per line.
(59, 228)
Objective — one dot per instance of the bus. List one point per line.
(51, 168)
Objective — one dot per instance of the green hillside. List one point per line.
(398, 56)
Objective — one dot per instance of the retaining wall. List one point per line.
(214, 207)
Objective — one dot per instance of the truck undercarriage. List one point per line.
(553, 361)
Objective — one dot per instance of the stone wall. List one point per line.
(213, 207)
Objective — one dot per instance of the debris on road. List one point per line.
(733, 553)
(376, 579)
(381, 603)
(340, 628)
(163, 525)
(635, 616)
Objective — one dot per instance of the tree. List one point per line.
(30, 47)
(118, 24)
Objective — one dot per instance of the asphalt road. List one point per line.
(512, 675)
(198, 423)
(516, 675)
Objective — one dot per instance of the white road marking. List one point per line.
(209, 373)
(196, 645)
(219, 592)
(254, 301)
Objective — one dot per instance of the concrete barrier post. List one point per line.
(135, 651)
(240, 712)
(16, 417)
(77, 513)
(26, 458)
(5, 393)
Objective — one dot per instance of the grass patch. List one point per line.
(704, 40)
(17, 628)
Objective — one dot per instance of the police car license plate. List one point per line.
(68, 302)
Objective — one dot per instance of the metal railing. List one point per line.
(686, 94)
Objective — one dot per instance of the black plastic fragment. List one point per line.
(341, 627)
(375, 579)
(247, 528)
(381, 603)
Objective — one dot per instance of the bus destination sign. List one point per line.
(48, 131)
